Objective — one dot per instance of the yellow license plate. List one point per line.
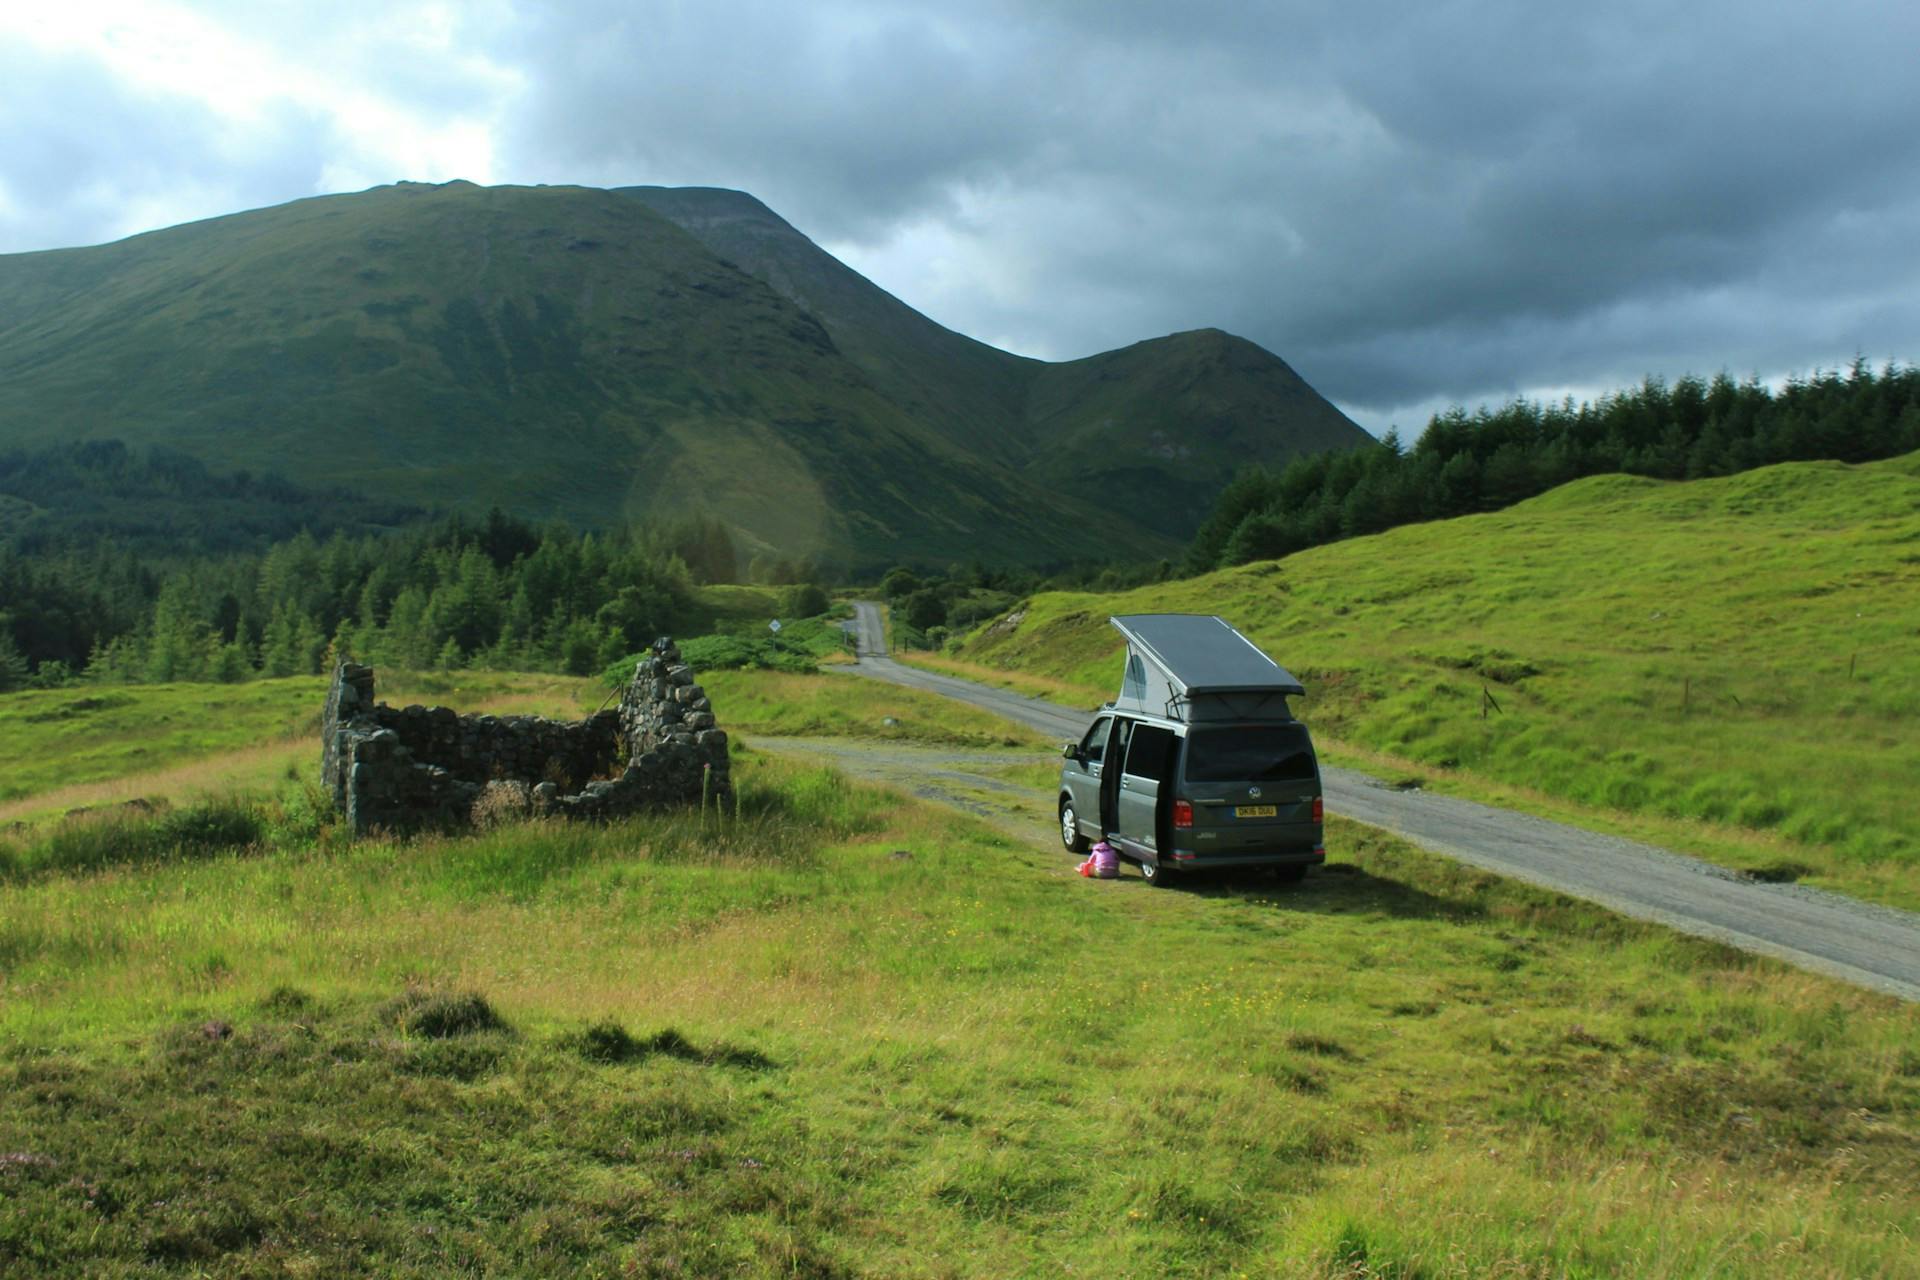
(1254, 811)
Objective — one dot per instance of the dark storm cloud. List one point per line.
(1407, 202)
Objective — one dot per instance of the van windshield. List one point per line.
(1250, 753)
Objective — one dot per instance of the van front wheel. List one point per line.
(1070, 828)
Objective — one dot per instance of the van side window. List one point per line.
(1094, 745)
(1150, 755)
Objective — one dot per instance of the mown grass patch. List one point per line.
(769, 1044)
(1737, 653)
(785, 704)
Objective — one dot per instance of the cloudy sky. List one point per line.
(1415, 204)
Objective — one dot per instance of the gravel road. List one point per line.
(1873, 946)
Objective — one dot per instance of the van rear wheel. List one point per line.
(1155, 874)
(1070, 829)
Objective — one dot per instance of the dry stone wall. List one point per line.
(412, 767)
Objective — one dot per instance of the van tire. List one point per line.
(1070, 835)
(1154, 874)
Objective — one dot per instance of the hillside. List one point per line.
(1159, 426)
(1736, 651)
(571, 352)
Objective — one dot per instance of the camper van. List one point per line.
(1199, 763)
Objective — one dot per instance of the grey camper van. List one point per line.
(1199, 763)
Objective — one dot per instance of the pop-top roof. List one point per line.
(1203, 654)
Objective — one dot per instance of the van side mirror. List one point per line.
(1070, 750)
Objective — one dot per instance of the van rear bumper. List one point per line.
(1183, 860)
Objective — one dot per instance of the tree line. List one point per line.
(105, 574)
(451, 592)
(1464, 463)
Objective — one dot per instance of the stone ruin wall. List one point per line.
(403, 769)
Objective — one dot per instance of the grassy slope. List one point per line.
(412, 341)
(1735, 652)
(833, 1061)
(1157, 427)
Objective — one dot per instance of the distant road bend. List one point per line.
(1858, 942)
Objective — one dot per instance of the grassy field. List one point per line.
(848, 1034)
(1736, 659)
(104, 744)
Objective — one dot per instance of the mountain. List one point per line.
(594, 355)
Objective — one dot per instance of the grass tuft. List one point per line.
(608, 1043)
(1785, 871)
(442, 1015)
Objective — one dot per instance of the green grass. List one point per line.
(830, 705)
(730, 606)
(798, 647)
(1734, 660)
(842, 1033)
(103, 745)
(88, 733)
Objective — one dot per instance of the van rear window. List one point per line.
(1250, 753)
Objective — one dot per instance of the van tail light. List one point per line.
(1319, 809)
(1183, 814)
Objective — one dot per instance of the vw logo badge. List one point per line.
(1253, 793)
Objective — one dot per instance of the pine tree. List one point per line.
(14, 672)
